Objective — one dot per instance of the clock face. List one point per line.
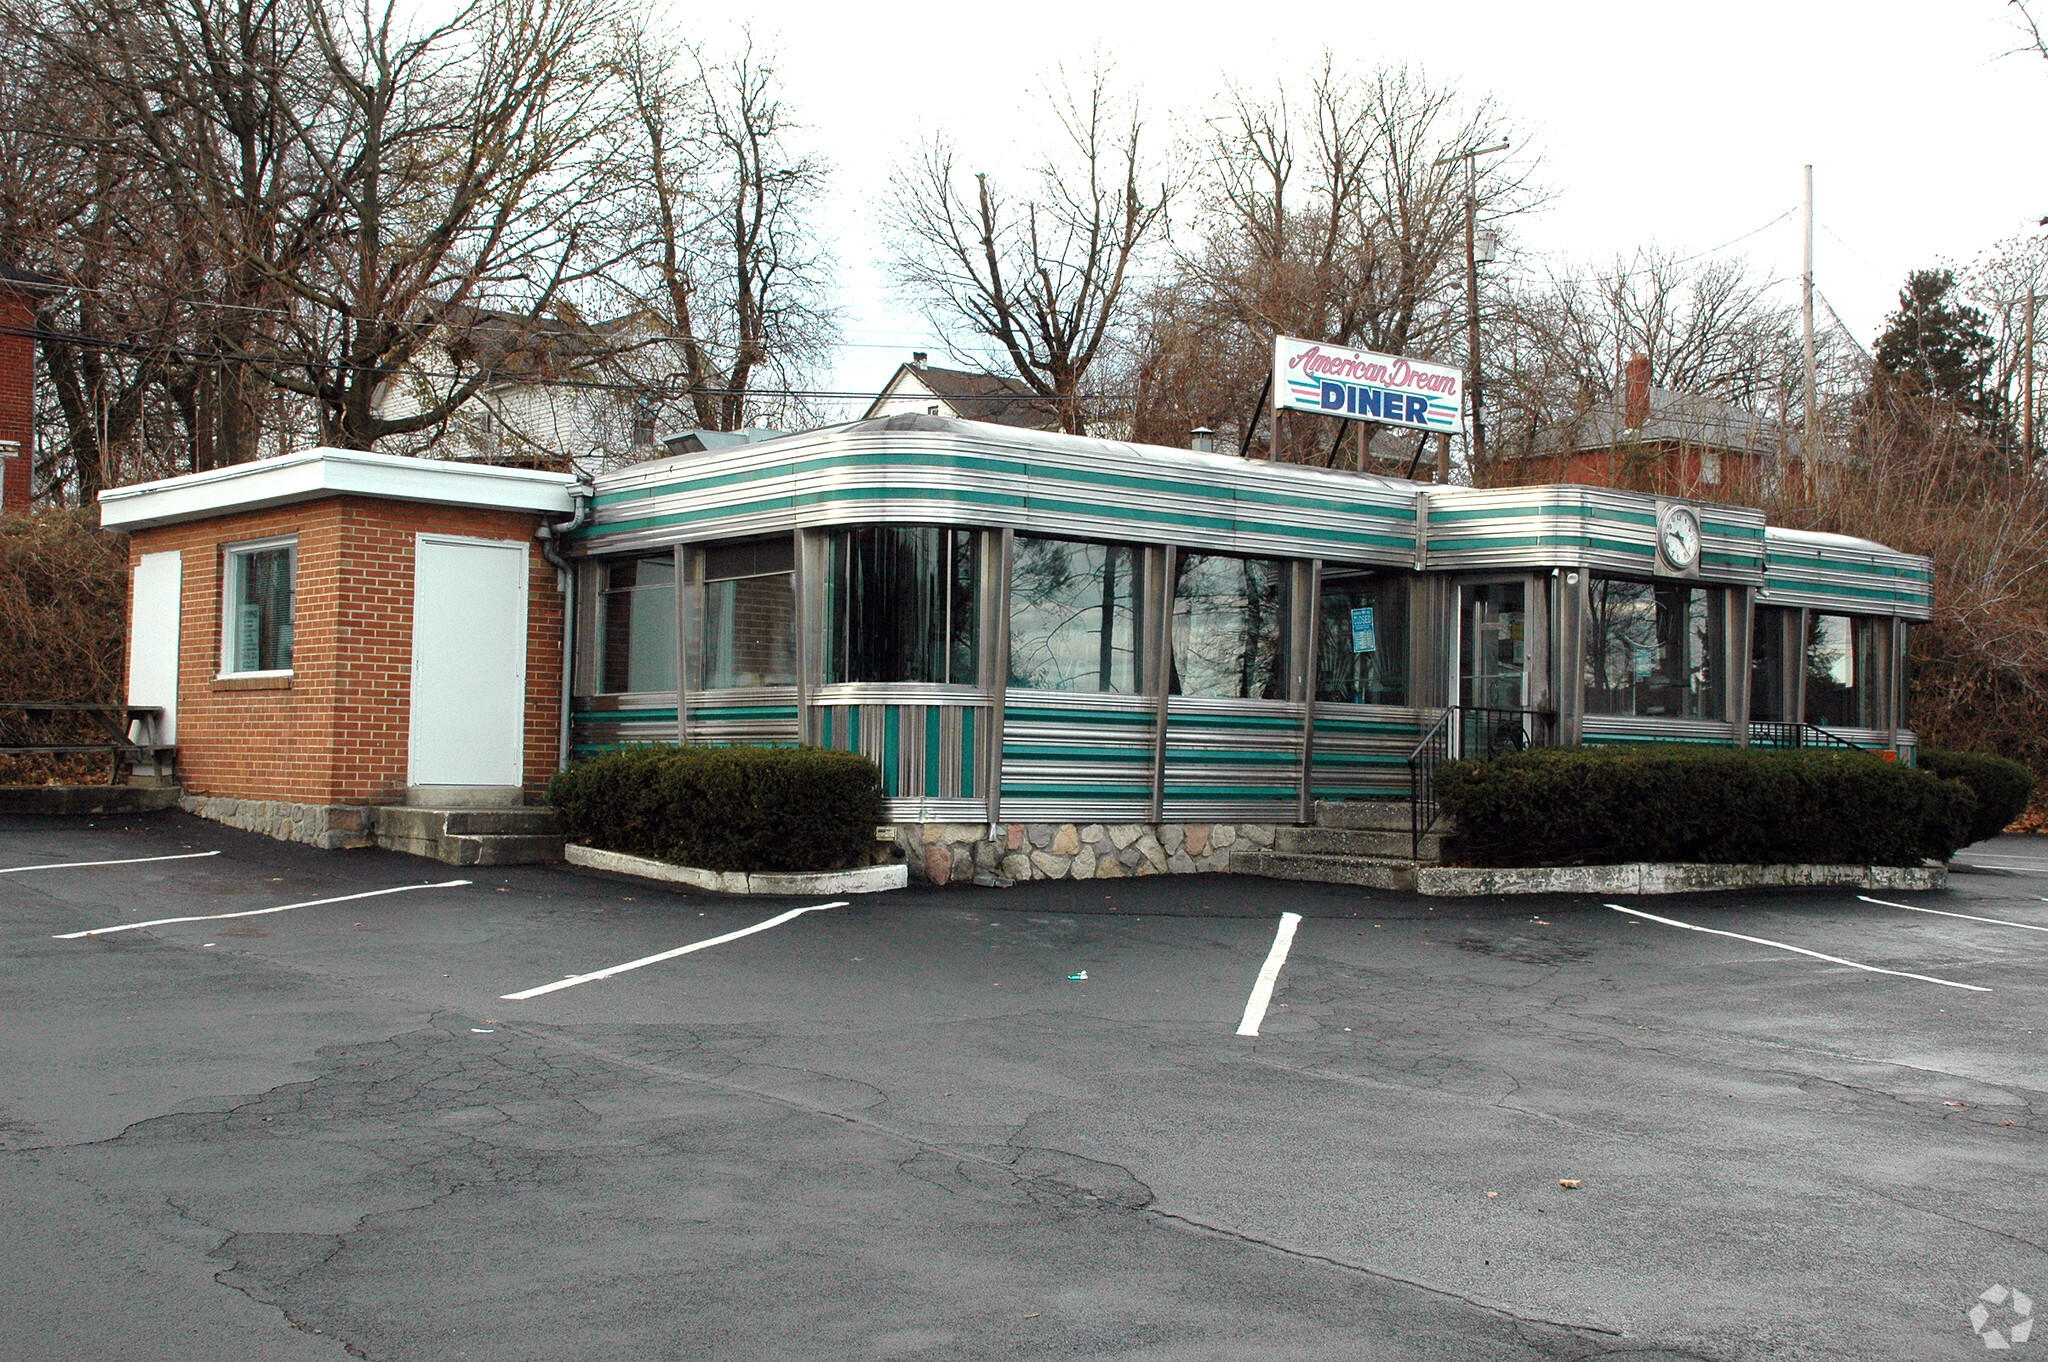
(1680, 535)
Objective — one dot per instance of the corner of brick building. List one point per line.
(335, 732)
(17, 399)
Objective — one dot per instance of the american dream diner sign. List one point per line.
(1359, 385)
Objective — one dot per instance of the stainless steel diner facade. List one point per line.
(1021, 626)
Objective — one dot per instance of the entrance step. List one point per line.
(1341, 841)
(1381, 815)
(527, 835)
(1367, 872)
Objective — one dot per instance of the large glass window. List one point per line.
(749, 634)
(900, 601)
(636, 624)
(1655, 650)
(1842, 672)
(1074, 616)
(1362, 639)
(1771, 678)
(1230, 627)
(259, 601)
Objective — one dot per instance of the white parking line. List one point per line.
(79, 865)
(1269, 974)
(595, 975)
(1994, 921)
(259, 912)
(1798, 950)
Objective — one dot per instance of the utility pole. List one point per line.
(1806, 321)
(2027, 387)
(1477, 447)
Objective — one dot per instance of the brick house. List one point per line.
(1655, 440)
(334, 630)
(18, 292)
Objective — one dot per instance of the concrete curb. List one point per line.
(871, 879)
(1648, 877)
(84, 799)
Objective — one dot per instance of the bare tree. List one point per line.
(1710, 329)
(451, 174)
(722, 253)
(1044, 284)
(1327, 212)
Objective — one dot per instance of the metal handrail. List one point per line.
(1784, 733)
(1498, 731)
(1433, 751)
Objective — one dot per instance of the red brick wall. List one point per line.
(335, 731)
(17, 398)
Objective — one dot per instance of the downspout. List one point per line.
(549, 533)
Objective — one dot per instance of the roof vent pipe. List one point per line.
(1202, 440)
(1635, 407)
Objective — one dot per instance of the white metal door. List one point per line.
(468, 661)
(153, 636)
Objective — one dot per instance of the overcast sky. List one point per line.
(1686, 125)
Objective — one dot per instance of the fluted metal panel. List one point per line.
(1606, 730)
(766, 715)
(600, 723)
(1598, 528)
(1069, 756)
(966, 473)
(1846, 576)
(1232, 759)
(925, 751)
(1363, 749)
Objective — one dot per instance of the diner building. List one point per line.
(1058, 649)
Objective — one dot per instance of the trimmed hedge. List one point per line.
(1719, 805)
(2002, 787)
(725, 808)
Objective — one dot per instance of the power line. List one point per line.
(663, 388)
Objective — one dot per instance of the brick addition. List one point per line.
(333, 735)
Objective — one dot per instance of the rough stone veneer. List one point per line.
(329, 826)
(1010, 853)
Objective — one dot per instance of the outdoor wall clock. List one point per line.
(1678, 534)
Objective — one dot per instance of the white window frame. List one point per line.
(232, 556)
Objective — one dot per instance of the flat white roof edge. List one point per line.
(310, 473)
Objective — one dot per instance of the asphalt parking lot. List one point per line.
(901, 1127)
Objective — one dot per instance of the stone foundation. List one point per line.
(1003, 854)
(328, 826)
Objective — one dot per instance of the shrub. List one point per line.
(1724, 805)
(725, 808)
(2002, 787)
(63, 620)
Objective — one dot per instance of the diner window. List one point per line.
(1842, 671)
(1229, 627)
(1362, 639)
(1655, 650)
(900, 605)
(1074, 616)
(1771, 678)
(749, 636)
(636, 624)
(259, 593)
